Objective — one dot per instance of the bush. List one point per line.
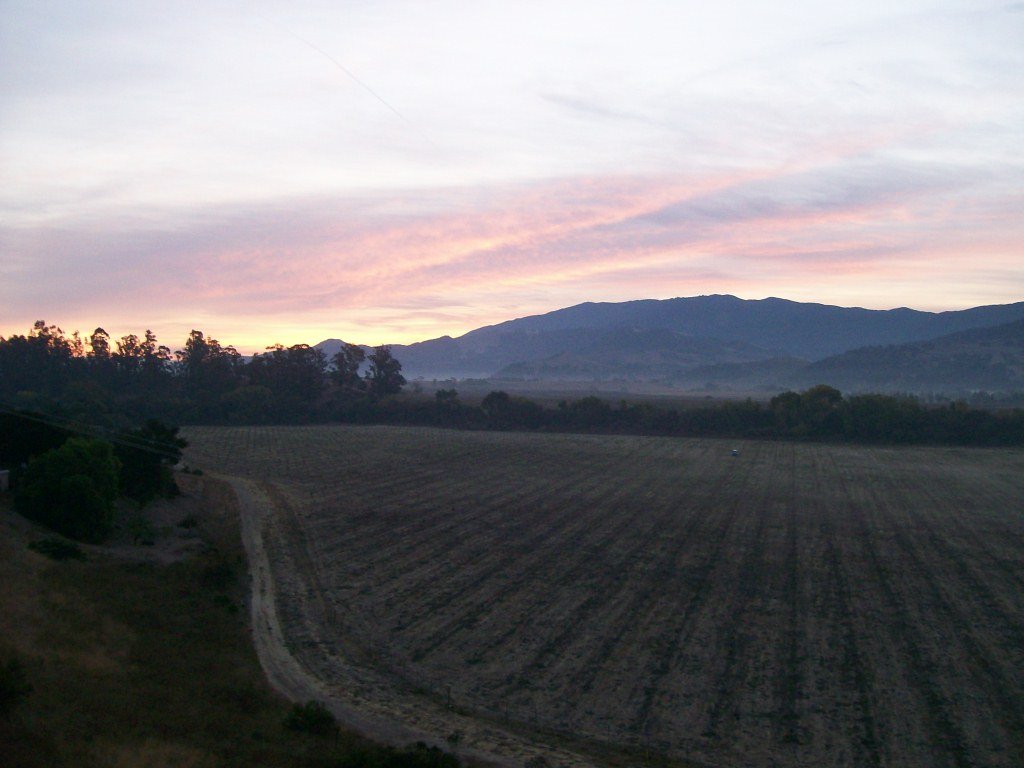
(419, 755)
(146, 455)
(57, 549)
(311, 717)
(14, 686)
(72, 489)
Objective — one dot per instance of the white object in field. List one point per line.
(735, 452)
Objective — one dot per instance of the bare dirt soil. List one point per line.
(796, 605)
(305, 659)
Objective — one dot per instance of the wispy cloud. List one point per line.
(444, 261)
(212, 166)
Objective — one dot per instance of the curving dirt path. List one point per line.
(288, 613)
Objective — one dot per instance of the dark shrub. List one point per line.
(14, 686)
(311, 717)
(57, 549)
(72, 489)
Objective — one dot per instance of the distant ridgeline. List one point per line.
(135, 379)
(729, 344)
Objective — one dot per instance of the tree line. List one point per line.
(134, 378)
(820, 413)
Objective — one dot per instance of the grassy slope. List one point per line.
(137, 664)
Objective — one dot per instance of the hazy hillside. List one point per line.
(772, 375)
(683, 340)
(628, 354)
(986, 358)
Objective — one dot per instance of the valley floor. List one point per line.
(602, 598)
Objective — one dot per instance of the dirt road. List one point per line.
(303, 666)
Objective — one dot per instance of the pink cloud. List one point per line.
(423, 263)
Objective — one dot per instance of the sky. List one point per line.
(388, 172)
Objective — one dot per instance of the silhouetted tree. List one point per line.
(785, 408)
(249, 404)
(38, 362)
(385, 374)
(820, 407)
(99, 345)
(294, 376)
(587, 413)
(506, 412)
(146, 455)
(346, 363)
(883, 418)
(101, 366)
(129, 355)
(155, 357)
(209, 371)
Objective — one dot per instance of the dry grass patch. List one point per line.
(153, 753)
(136, 662)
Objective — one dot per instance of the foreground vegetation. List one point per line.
(114, 659)
(796, 604)
(70, 483)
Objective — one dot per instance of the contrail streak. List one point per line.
(348, 73)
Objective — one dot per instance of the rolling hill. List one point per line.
(690, 341)
(989, 359)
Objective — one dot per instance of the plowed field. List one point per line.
(796, 605)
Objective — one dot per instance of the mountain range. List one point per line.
(727, 342)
